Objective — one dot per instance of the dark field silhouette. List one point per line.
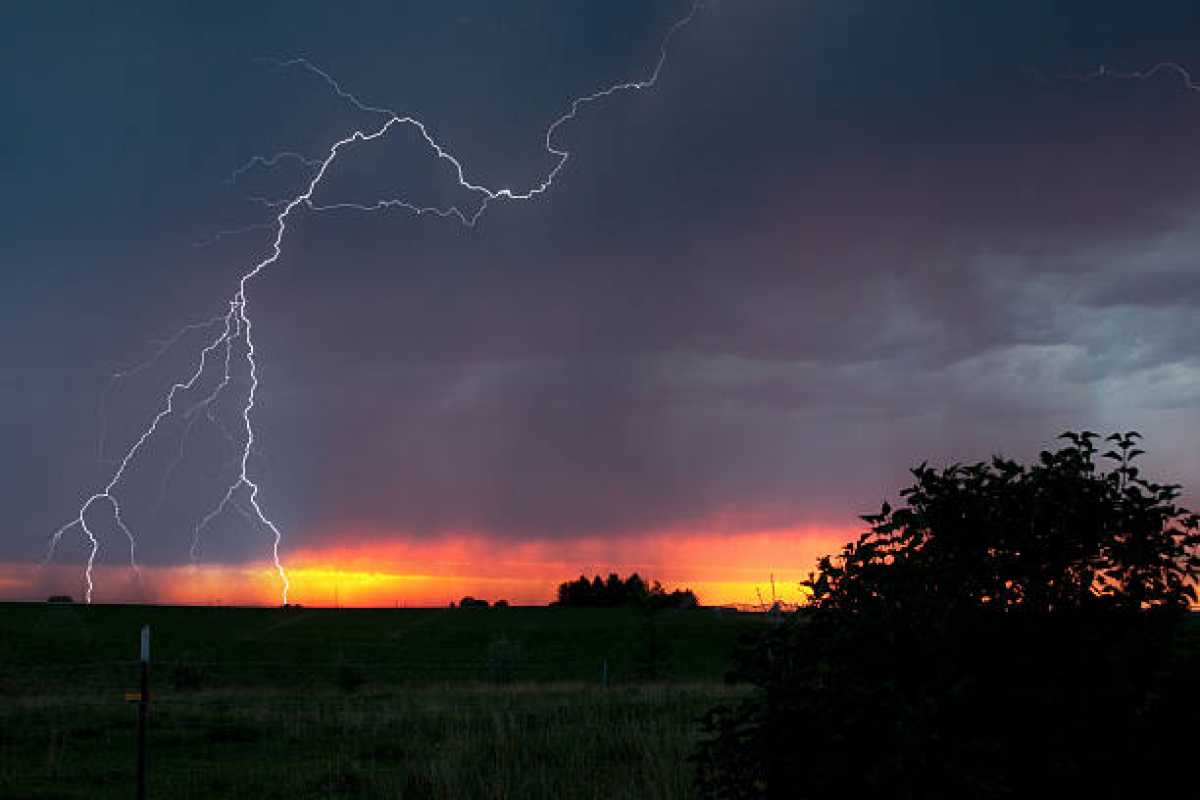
(365, 703)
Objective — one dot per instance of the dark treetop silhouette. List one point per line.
(1013, 631)
(632, 591)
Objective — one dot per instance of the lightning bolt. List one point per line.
(268, 162)
(236, 324)
(1169, 67)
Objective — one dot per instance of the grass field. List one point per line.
(264, 703)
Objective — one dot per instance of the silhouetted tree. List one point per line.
(471, 602)
(614, 591)
(1013, 631)
(636, 589)
(679, 598)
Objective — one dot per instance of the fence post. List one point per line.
(604, 674)
(143, 712)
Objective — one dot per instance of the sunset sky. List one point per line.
(835, 240)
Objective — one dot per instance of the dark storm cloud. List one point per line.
(836, 240)
(1170, 287)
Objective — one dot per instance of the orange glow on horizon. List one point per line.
(722, 569)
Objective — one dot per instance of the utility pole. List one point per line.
(143, 712)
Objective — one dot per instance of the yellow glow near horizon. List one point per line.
(721, 569)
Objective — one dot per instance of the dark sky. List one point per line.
(835, 240)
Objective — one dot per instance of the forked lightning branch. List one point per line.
(232, 346)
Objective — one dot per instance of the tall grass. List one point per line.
(449, 741)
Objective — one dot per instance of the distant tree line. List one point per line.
(472, 602)
(615, 592)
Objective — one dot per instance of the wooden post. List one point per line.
(143, 712)
(604, 674)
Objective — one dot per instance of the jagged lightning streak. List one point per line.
(263, 161)
(107, 494)
(1172, 67)
(237, 324)
(487, 194)
(160, 350)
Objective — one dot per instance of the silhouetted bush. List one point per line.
(680, 598)
(471, 602)
(1012, 632)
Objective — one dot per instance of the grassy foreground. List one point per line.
(457, 741)
(298, 703)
